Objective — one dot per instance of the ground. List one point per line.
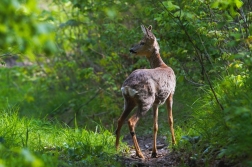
(166, 158)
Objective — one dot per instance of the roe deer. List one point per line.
(147, 88)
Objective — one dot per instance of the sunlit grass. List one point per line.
(31, 142)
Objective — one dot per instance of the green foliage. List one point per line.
(238, 118)
(23, 30)
(24, 157)
(230, 5)
(31, 89)
(224, 133)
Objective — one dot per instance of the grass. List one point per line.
(35, 143)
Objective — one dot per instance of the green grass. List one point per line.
(35, 143)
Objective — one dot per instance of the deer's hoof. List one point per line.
(154, 155)
(140, 155)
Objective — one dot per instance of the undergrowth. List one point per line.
(212, 135)
(39, 96)
(35, 143)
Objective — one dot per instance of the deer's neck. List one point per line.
(156, 60)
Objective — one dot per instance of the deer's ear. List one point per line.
(150, 28)
(144, 29)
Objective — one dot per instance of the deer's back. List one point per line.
(151, 84)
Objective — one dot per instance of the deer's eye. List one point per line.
(142, 43)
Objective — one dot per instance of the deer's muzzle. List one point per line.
(132, 51)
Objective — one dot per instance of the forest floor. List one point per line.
(166, 158)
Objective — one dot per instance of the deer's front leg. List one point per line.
(155, 130)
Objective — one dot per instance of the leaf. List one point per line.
(230, 5)
(31, 159)
(222, 153)
(238, 3)
(170, 6)
(187, 138)
(215, 4)
(71, 22)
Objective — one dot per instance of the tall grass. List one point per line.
(32, 142)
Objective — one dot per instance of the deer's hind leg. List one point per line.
(142, 109)
(169, 103)
(132, 123)
(129, 105)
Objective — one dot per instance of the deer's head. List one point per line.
(147, 45)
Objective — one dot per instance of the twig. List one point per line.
(102, 55)
(92, 98)
(194, 83)
(93, 115)
(158, 147)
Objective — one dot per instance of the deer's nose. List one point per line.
(132, 51)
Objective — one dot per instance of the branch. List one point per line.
(197, 54)
(92, 98)
(194, 83)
